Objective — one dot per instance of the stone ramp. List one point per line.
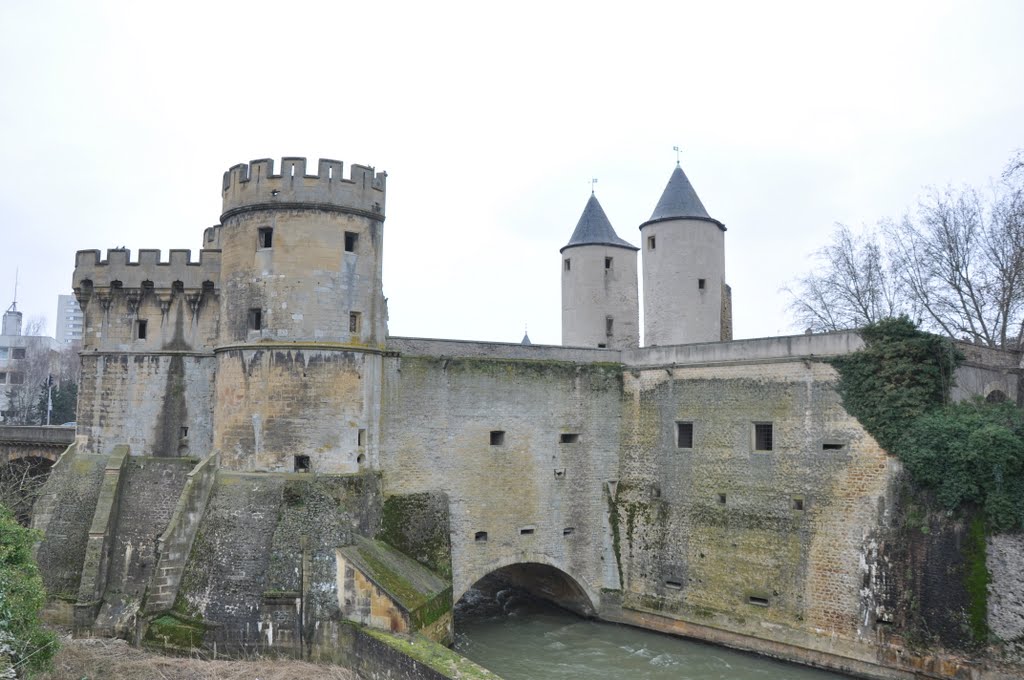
(149, 493)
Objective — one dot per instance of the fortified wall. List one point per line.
(259, 465)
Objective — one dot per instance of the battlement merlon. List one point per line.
(149, 272)
(256, 187)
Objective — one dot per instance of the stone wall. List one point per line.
(1005, 555)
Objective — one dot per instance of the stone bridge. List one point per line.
(34, 441)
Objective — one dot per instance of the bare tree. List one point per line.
(956, 266)
(852, 285)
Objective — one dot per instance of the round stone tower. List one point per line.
(686, 298)
(302, 318)
(600, 306)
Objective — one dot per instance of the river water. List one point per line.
(522, 638)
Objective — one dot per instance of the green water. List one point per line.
(521, 638)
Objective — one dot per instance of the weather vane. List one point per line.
(677, 150)
(593, 181)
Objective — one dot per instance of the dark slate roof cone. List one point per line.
(595, 229)
(679, 201)
(526, 339)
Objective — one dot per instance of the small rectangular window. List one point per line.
(255, 319)
(721, 499)
(3, 377)
(302, 464)
(265, 237)
(354, 322)
(798, 503)
(601, 345)
(763, 437)
(17, 378)
(568, 438)
(568, 531)
(480, 537)
(673, 585)
(700, 284)
(759, 601)
(140, 329)
(526, 531)
(361, 437)
(650, 243)
(350, 241)
(607, 263)
(17, 352)
(568, 264)
(684, 435)
(497, 437)
(184, 431)
(609, 325)
(831, 446)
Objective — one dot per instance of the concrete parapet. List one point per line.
(787, 347)
(499, 350)
(255, 186)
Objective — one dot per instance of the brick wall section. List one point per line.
(150, 491)
(70, 496)
(175, 544)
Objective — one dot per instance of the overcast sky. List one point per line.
(118, 119)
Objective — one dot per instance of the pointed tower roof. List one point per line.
(680, 202)
(526, 339)
(595, 229)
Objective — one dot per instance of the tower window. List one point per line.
(265, 237)
(354, 322)
(302, 464)
(568, 264)
(721, 499)
(684, 435)
(480, 537)
(497, 437)
(763, 437)
(140, 329)
(255, 319)
(701, 284)
(798, 504)
(569, 438)
(361, 437)
(350, 241)
(650, 243)
(609, 324)
(607, 263)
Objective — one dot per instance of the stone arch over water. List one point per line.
(541, 577)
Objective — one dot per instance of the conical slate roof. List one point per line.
(595, 229)
(679, 201)
(526, 339)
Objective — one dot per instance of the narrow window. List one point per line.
(763, 439)
(302, 464)
(353, 322)
(255, 319)
(265, 237)
(650, 243)
(480, 537)
(140, 329)
(526, 531)
(568, 438)
(497, 437)
(601, 345)
(798, 503)
(607, 263)
(350, 241)
(721, 499)
(684, 435)
(568, 531)
(759, 601)
(701, 283)
(3, 377)
(568, 264)
(674, 585)
(361, 437)
(184, 431)
(609, 325)
(831, 446)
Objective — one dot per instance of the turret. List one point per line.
(686, 298)
(600, 305)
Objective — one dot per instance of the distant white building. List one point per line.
(25, 361)
(69, 320)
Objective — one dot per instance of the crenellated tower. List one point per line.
(303, 320)
(600, 306)
(686, 298)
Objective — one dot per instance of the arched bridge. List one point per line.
(19, 442)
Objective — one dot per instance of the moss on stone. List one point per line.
(440, 658)
(393, 582)
(976, 579)
(417, 525)
(176, 633)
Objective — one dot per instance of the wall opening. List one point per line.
(701, 284)
(650, 243)
(758, 601)
(497, 437)
(255, 319)
(568, 438)
(831, 446)
(568, 531)
(140, 329)
(184, 431)
(302, 464)
(480, 537)
(265, 237)
(798, 503)
(350, 241)
(609, 325)
(541, 581)
(568, 264)
(361, 437)
(721, 499)
(361, 458)
(607, 263)
(527, 531)
(673, 585)
(764, 439)
(354, 322)
(684, 435)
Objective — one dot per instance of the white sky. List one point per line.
(118, 119)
